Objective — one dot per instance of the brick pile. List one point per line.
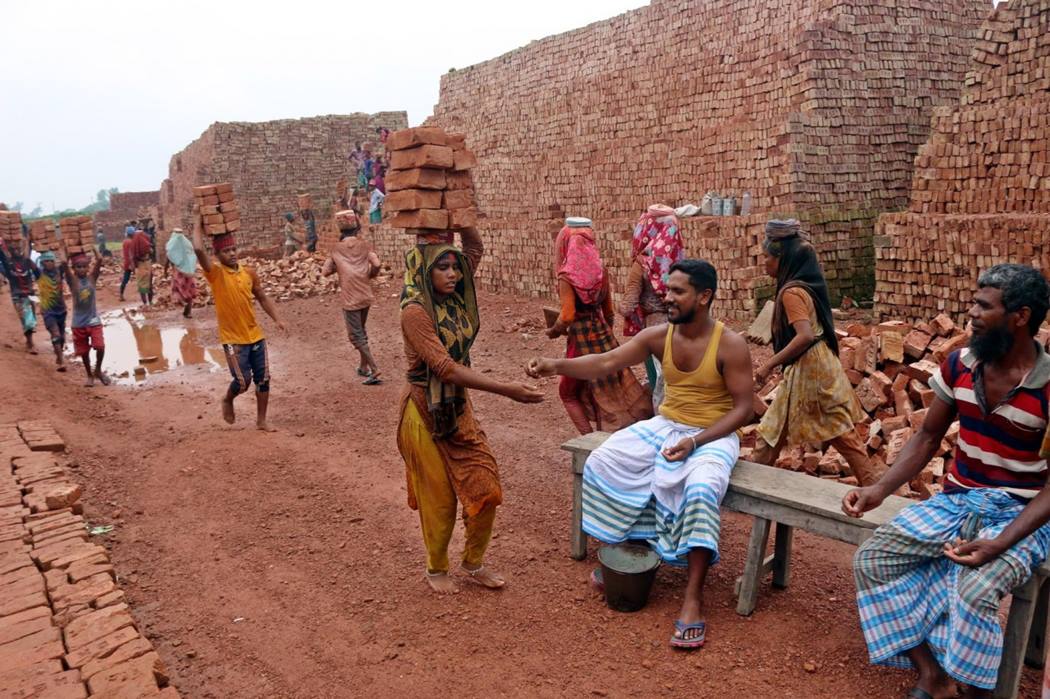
(78, 234)
(815, 108)
(124, 207)
(217, 207)
(981, 189)
(269, 164)
(65, 628)
(11, 228)
(429, 186)
(42, 233)
(889, 366)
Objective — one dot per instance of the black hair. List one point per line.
(798, 267)
(701, 273)
(1021, 286)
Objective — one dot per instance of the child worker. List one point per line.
(233, 287)
(86, 323)
(50, 288)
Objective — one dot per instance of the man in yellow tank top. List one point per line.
(662, 480)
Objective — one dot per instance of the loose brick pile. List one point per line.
(429, 187)
(42, 233)
(78, 234)
(217, 207)
(11, 228)
(65, 628)
(981, 190)
(815, 108)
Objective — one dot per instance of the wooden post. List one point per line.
(753, 567)
(782, 555)
(1022, 609)
(578, 540)
(1035, 654)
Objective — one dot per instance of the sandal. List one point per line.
(372, 381)
(679, 640)
(919, 693)
(363, 372)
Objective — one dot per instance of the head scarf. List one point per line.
(48, 256)
(797, 267)
(655, 245)
(129, 231)
(77, 259)
(289, 216)
(577, 261)
(221, 242)
(456, 320)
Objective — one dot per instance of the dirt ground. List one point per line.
(288, 564)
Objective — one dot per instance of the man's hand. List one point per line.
(280, 326)
(860, 500)
(558, 329)
(523, 393)
(973, 553)
(540, 367)
(680, 451)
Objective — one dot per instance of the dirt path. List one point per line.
(288, 565)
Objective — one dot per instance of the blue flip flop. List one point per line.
(694, 643)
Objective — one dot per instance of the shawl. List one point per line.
(456, 321)
(797, 267)
(578, 262)
(655, 245)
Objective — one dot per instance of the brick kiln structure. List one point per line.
(268, 163)
(816, 107)
(124, 206)
(981, 191)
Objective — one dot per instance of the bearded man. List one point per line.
(661, 480)
(929, 582)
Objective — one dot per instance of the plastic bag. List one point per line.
(180, 253)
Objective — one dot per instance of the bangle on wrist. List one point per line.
(693, 440)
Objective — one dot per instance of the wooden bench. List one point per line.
(786, 499)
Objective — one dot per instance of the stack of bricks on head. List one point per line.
(889, 365)
(42, 233)
(11, 229)
(429, 187)
(218, 208)
(78, 234)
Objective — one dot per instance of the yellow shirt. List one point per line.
(700, 397)
(232, 290)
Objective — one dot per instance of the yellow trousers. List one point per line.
(436, 498)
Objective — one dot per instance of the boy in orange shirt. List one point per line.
(233, 286)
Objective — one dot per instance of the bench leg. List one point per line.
(747, 596)
(1022, 609)
(782, 555)
(578, 543)
(1035, 654)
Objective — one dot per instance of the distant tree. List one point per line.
(102, 197)
(37, 212)
(17, 206)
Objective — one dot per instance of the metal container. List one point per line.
(628, 571)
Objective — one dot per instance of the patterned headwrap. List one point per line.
(577, 261)
(48, 256)
(221, 242)
(77, 259)
(655, 245)
(289, 216)
(456, 320)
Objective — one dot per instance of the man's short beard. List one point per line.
(683, 317)
(992, 345)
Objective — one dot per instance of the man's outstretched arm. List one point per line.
(594, 366)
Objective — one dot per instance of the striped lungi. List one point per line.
(631, 492)
(909, 592)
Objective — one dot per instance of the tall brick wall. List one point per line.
(816, 107)
(981, 189)
(268, 163)
(124, 206)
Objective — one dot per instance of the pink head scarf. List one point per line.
(656, 245)
(578, 262)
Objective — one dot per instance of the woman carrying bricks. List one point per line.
(447, 456)
(611, 402)
(655, 246)
(815, 402)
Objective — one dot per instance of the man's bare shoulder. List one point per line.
(733, 342)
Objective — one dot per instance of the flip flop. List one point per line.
(919, 693)
(695, 643)
(372, 381)
(363, 372)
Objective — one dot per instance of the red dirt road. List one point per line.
(288, 564)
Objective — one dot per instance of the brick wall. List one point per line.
(268, 163)
(816, 107)
(124, 206)
(981, 189)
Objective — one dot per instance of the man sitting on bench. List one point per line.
(662, 480)
(930, 581)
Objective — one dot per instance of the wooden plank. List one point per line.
(849, 532)
(577, 539)
(586, 443)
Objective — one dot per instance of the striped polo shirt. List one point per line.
(998, 445)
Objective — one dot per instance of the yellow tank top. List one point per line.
(699, 397)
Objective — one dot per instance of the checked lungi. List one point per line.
(631, 492)
(909, 592)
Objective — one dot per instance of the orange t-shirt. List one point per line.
(798, 305)
(234, 309)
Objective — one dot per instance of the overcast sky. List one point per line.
(100, 94)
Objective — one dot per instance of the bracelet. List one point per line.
(693, 440)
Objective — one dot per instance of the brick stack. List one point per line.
(218, 208)
(42, 233)
(65, 626)
(815, 108)
(981, 189)
(11, 228)
(889, 365)
(78, 235)
(429, 186)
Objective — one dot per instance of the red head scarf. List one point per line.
(578, 262)
(221, 242)
(656, 245)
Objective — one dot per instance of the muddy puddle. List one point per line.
(137, 348)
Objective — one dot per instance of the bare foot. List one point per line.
(102, 377)
(60, 367)
(484, 577)
(939, 687)
(227, 411)
(265, 427)
(441, 583)
(90, 383)
(31, 350)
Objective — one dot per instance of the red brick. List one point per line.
(101, 647)
(462, 218)
(40, 646)
(95, 625)
(409, 138)
(411, 199)
(418, 178)
(422, 218)
(422, 156)
(141, 675)
(457, 199)
(464, 160)
(134, 648)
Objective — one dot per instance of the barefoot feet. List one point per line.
(484, 577)
(227, 410)
(441, 583)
